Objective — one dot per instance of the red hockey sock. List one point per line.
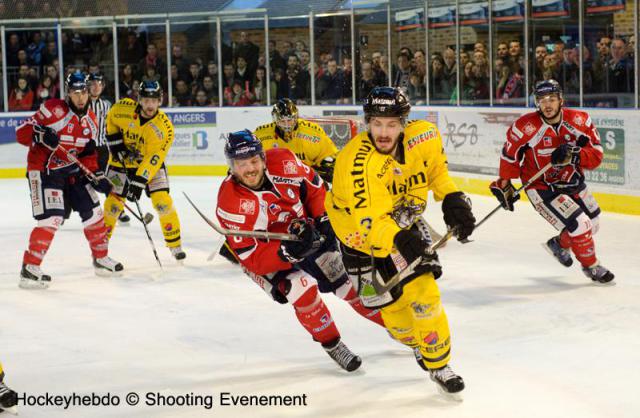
(315, 317)
(372, 315)
(96, 234)
(584, 249)
(39, 243)
(565, 239)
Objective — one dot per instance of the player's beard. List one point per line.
(387, 141)
(555, 115)
(77, 111)
(251, 182)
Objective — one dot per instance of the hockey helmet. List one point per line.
(285, 114)
(386, 102)
(241, 145)
(151, 89)
(76, 81)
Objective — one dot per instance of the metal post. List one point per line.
(490, 55)
(312, 52)
(353, 56)
(526, 53)
(427, 55)
(458, 78)
(219, 48)
(580, 50)
(61, 75)
(389, 66)
(266, 58)
(167, 30)
(635, 55)
(5, 90)
(116, 73)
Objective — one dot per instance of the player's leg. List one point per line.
(565, 213)
(163, 204)
(47, 205)
(85, 201)
(114, 204)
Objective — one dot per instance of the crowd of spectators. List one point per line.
(33, 66)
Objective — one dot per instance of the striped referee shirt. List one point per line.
(101, 107)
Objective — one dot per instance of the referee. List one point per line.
(101, 107)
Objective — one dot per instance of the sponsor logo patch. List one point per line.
(247, 207)
(289, 167)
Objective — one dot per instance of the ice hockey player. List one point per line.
(8, 397)
(380, 186)
(307, 140)
(54, 180)
(139, 135)
(568, 139)
(274, 191)
(100, 107)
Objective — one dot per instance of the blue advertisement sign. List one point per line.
(8, 126)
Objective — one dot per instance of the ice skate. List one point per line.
(124, 219)
(599, 274)
(8, 399)
(31, 277)
(345, 358)
(449, 383)
(178, 254)
(561, 254)
(107, 267)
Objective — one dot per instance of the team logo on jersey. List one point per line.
(86, 131)
(290, 193)
(578, 120)
(421, 309)
(529, 129)
(397, 171)
(289, 167)
(248, 207)
(431, 338)
(58, 112)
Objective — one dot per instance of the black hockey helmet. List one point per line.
(95, 77)
(545, 88)
(241, 145)
(386, 102)
(150, 88)
(285, 114)
(76, 81)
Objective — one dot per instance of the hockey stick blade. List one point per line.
(251, 234)
(381, 287)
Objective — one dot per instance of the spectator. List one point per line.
(13, 46)
(288, 51)
(194, 75)
(103, 50)
(242, 72)
(300, 46)
(46, 90)
(52, 71)
(275, 59)
(416, 90)
(511, 83)
(420, 63)
(201, 99)
(368, 79)
(334, 84)
(294, 83)
(502, 52)
(152, 59)
(440, 88)
(21, 97)
(237, 95)
(179, 60)
(347, 73)
(23, 58)
(480, 47)
(175, 76)
(587, 68)
(210, 87)
(24, 72)
(305, 60)
(247, 50)
(150, 74)
(464, 59)
(450, 70)
(515, 52)
(227, 75)
(383, 74)
(620, 72)
(481, 84)
(182, 93)
(133, 50)
(126, 87)
(260, 85)
(551, 67)
(403, 70)
(538, 65)
(35, 49)
(569, 73)
(212, 71)
(50, 53)
(601, 62)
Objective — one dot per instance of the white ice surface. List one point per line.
(530, 337)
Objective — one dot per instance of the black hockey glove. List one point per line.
(456, 208)
(411, 245)
(323, 225)
(296, 251)
(46, 137)
(102, 184)
(565, 155)
(325, 169)
(504, 191)
(136, 185)
(115, 143)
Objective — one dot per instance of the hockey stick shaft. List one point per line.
(250, 234)
(93, 179)
(529, 182)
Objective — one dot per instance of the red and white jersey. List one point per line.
(291, 191)
(75, 133)
(530, 142)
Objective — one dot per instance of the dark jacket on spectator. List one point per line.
(335, 86)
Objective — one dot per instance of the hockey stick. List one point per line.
(148, 217)
(250, 234)
(516, 193)
(144, 225)
(382, 287)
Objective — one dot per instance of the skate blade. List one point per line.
(610, 283)
(454, 397)
(30, 284)
(180, 262)
(13, 410)
(107, 273)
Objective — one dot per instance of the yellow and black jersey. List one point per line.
(368, 186)
(308, 141)
(148, 142)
